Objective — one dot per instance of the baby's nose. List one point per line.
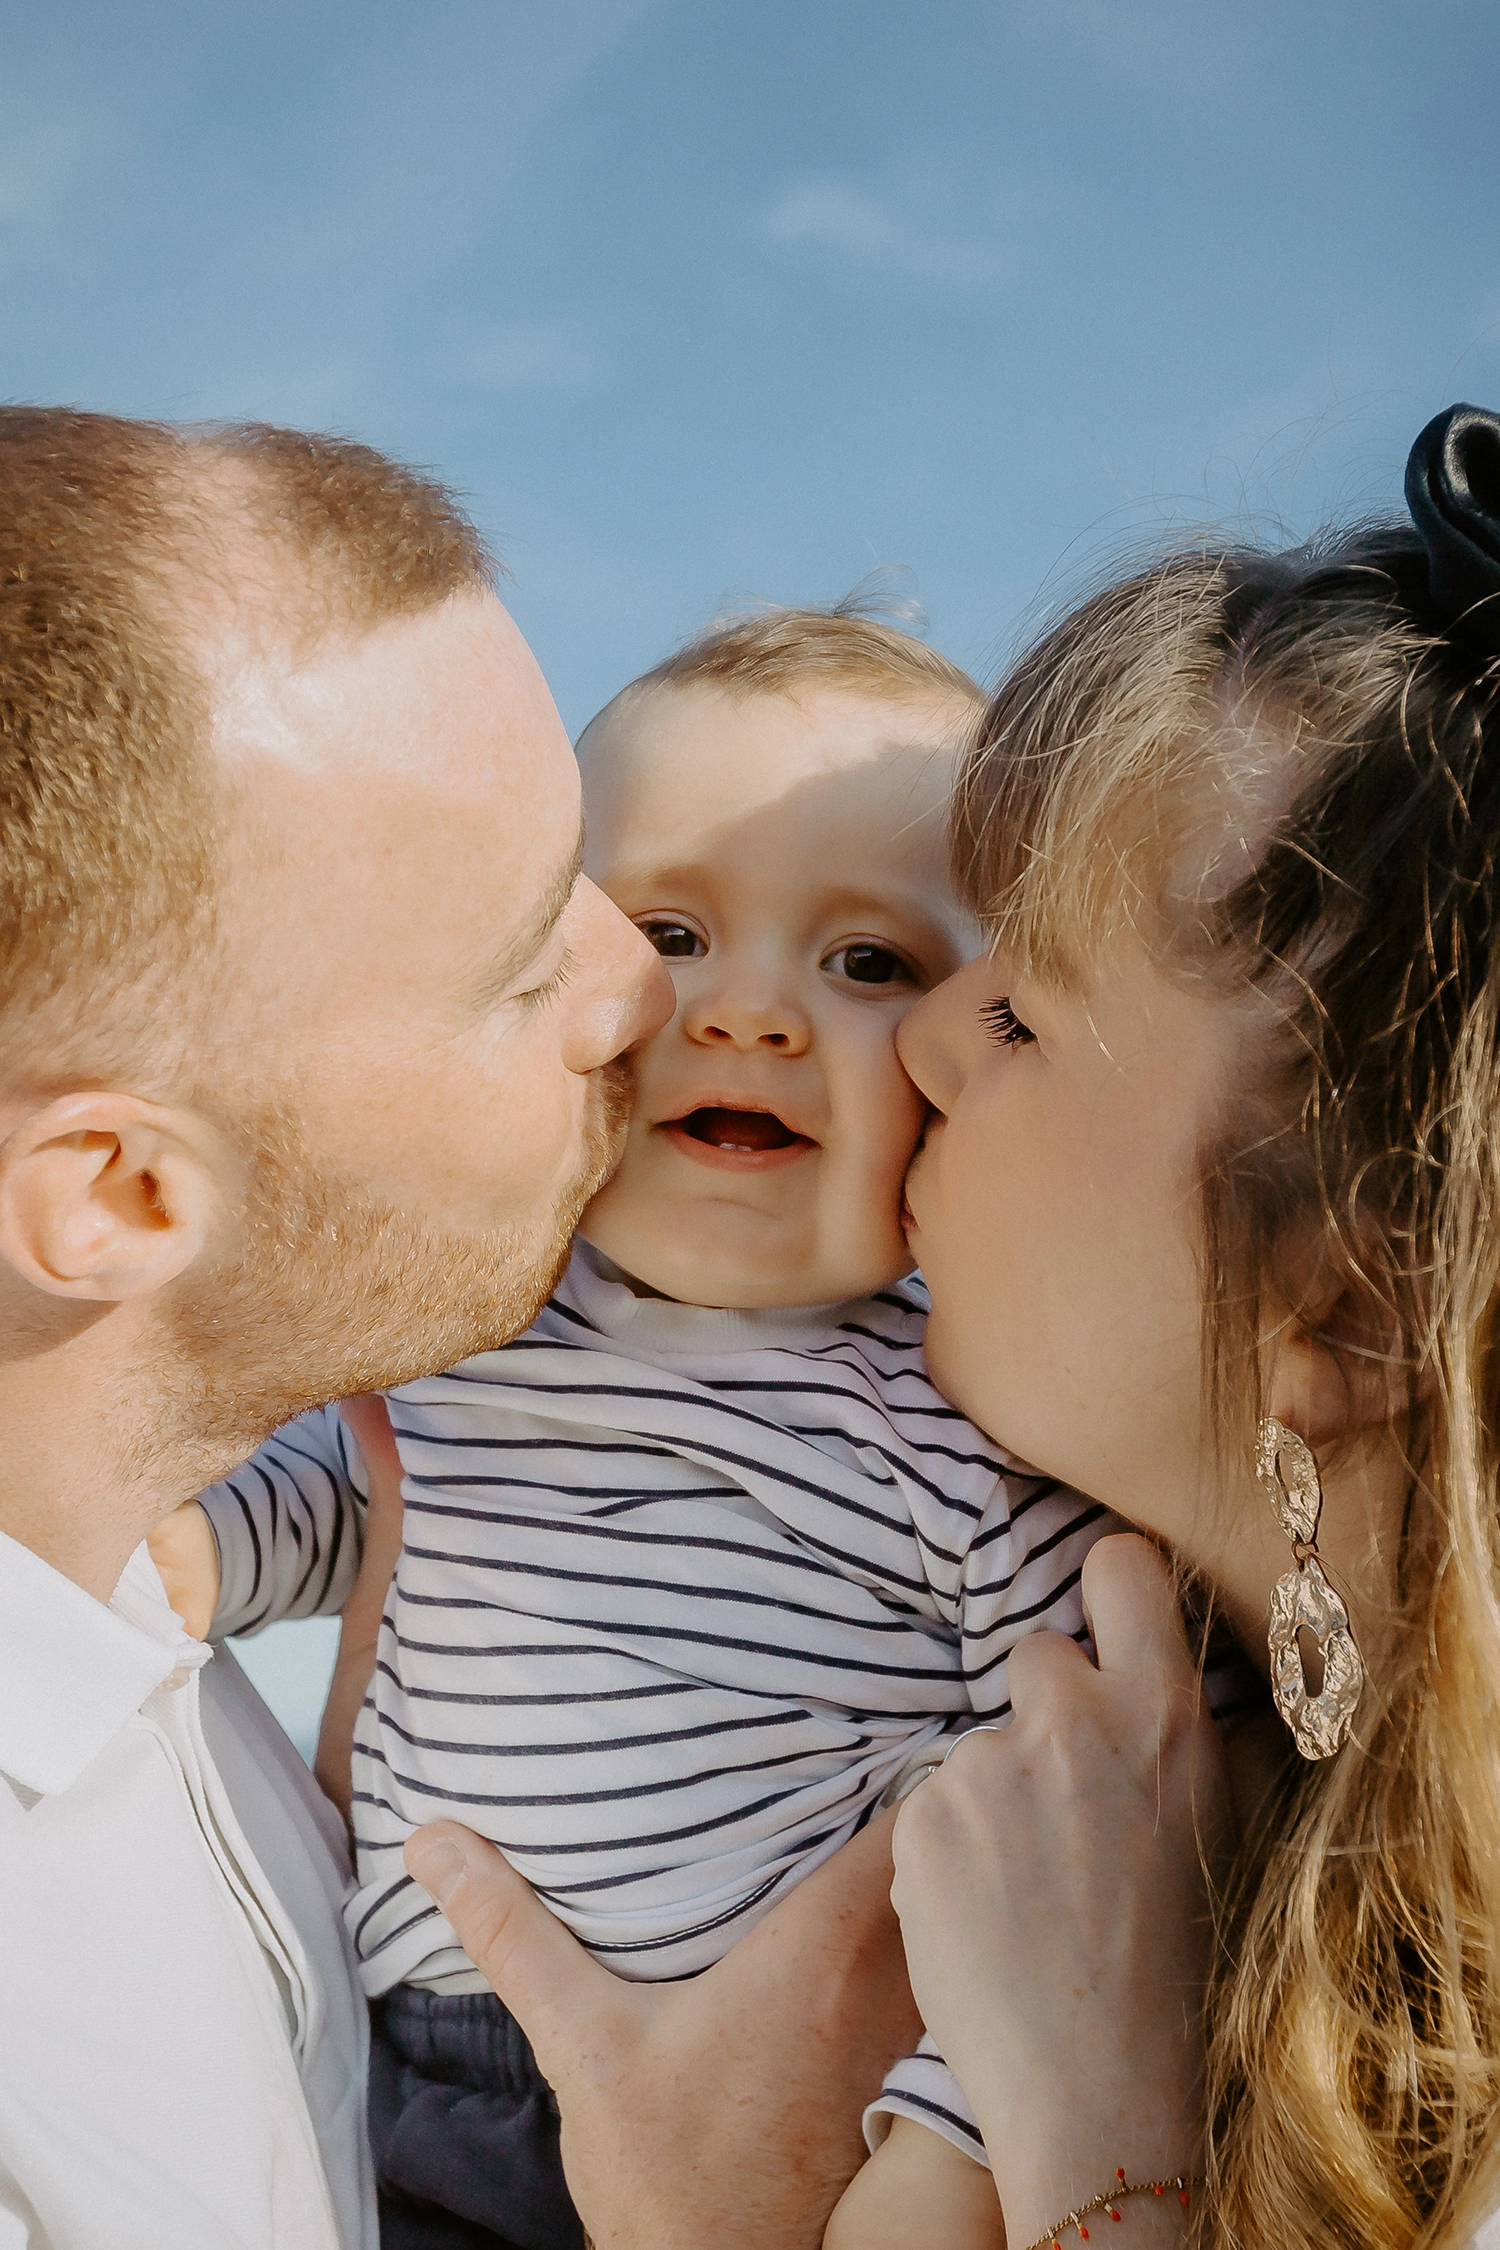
(749, 1023)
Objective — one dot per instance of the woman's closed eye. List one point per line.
(1004, 1026)
(866, 962)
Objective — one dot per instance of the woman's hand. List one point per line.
(1050, 1883)
(724, 2109)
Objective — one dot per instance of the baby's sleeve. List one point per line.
(923, 2088)
(1022, 1574)
(289, 1526)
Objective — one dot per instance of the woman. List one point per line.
(1222, 1109)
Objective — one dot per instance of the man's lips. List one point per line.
(740, 1139)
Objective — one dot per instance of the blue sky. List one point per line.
(710, 299)
(707, 300)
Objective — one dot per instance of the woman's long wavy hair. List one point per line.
(1278, 774)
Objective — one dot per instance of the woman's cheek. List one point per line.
(974, 1238)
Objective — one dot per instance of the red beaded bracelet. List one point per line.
(1108, 2202)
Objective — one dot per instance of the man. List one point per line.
(309, 1057)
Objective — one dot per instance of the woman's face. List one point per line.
(1055, 1217)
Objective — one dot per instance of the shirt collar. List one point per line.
(72, 1672)
(661, 1327)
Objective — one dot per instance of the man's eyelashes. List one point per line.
(549, 989)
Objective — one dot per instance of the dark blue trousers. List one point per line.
(464, 2129)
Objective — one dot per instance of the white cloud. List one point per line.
(892, 233)
(542, 354)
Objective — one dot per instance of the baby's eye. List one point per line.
(1005, 1026)
(867, 963)
(674, 941)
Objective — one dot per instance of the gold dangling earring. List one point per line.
(1320, 1723)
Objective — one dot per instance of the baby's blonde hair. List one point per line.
(778, 651)
(1275, 773)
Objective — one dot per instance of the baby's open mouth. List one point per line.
(750, 1131)
(736, 1134)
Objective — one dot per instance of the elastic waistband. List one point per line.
(459, 2039)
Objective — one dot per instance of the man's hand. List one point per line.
(359, 1628)
(723, 2110)
(186, 1554)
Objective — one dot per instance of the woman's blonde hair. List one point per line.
(1278, 774)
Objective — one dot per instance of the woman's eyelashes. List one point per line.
(866, 962)
(1004, 1026)
(673, 939)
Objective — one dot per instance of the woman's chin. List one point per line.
(965, 1374)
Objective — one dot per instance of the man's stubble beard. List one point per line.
(333, 1291)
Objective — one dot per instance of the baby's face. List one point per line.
(788, 859)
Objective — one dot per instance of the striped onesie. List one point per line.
(682, 1592)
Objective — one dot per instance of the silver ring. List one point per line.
(982, 1726)
(908, 1779)
(922, 1769)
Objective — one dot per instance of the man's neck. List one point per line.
(85, 1469)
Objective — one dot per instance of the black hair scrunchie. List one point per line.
(1453, 492)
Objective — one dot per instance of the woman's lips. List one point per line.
(736, 1140)
(908, 1215)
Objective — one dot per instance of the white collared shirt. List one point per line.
(177, 2034)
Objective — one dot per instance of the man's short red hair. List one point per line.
(107, 803)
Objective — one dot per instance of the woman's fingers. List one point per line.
(1043, 1668)
(550, 1985)
(1130, 1601)
(1130, 1604)
(1142, 1691)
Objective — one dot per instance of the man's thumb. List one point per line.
(550, 1985)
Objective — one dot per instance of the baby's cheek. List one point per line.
(886, 1110)
(881, 1115)
(626, 1208)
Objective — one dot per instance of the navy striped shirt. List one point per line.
(681, 1593)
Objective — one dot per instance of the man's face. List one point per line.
(422, 1002)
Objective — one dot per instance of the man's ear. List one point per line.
(106, 1197)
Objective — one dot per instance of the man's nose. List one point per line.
(656, 1002)
(750, 1015)
(629, 993)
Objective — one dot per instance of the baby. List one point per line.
(700, 1569)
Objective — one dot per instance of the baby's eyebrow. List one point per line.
(894, 904)
(497, 979)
